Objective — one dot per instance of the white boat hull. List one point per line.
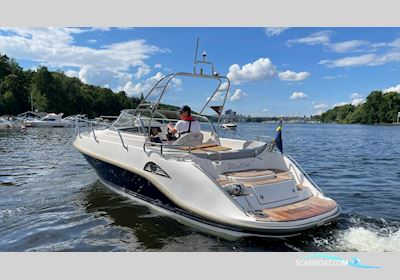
(229, 125)
(196, 199)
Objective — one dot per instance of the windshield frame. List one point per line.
(160, 116)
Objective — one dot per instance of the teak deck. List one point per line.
(308, 208)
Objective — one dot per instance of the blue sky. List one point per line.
(274, 71)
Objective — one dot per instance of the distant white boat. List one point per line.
(77, 120)
(51, 120)
(229, 125)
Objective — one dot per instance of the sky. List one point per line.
(273, 71)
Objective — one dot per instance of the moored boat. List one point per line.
(229, 125)
(51, 120)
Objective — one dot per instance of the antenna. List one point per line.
(204, 56)
(203, 62)
(195, 55)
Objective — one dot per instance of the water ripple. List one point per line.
(50, 199)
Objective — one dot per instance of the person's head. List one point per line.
(185, 112)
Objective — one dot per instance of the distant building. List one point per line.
(230, 115)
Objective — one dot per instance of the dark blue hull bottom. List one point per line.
(139, 187)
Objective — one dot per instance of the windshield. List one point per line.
(164, 117)
(142, 122)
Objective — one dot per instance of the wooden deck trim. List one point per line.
(308, 208)
(216, 149)
(204, 148)
(201, 146)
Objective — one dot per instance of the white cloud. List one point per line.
(142, 71)
(340, 76)
(347, 46)
(323, 38)
(293, 76)
(367, 59)
(274, 31)
(100, 28)
(176, 84)
(321, 106)
(394, 44)
(318, 38)
(265, 110)
(261, 69)
(92, 41)
(238, 95)
(218, 96)
(55, 47)
(145, 86)
(375, 46)
(392, 89)
(355, 95)
(71, 73)
(340, 104)
(131, 89)
(94, 76)
(298, 95)
(157, 66)
(223, 86)
(357, 101)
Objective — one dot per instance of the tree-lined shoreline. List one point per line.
(378, 108)
(55, 92)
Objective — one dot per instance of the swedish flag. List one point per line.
(278, 137)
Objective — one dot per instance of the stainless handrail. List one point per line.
(304, 172)
(120, 137)
(94, 134)
(163, 146)
(89, 125)
(118, 131)
(291, 167)
(77, 128)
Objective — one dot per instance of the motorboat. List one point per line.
(51, 120)
(229, 125)
(76, 120)
(223, 186)
(5, 124)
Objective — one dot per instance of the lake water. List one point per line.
(50, 199)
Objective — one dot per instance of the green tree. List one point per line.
(55, 92)
(5, 67)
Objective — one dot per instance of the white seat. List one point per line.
(190, 139)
